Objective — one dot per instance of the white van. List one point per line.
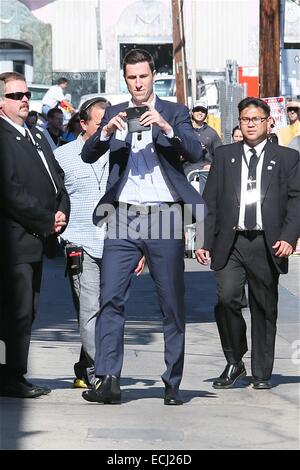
(37, 94)
(165, 88)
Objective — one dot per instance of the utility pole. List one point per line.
(269, 48)
(99, 44)
(194, 49)
(179, 51)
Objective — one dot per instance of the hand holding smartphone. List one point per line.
(133, 118)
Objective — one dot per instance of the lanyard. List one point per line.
(251, 180)
(99, 180)
(253, 169)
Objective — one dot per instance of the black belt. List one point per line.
(250, 234)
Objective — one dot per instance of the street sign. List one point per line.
(278, 110)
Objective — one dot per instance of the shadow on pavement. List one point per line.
(56, 323)
(276, 379)
(158, 392)
(56, 320)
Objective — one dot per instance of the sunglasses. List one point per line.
(290, 109)
(18, 96)
(199, 108)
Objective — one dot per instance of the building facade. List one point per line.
(25, 42)
(85, 40)
(60, 38)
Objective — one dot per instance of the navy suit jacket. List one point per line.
(184, 143)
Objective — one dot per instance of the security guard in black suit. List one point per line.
(253, 199)
(34, 209)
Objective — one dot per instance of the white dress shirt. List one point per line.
(244, 178)
(144, 181)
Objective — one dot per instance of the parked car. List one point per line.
(37, 94)
(165, 88)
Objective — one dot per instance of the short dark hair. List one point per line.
(70, 127)
(252, 101)
(33, 113)
(135, 56)
(51, 113)
(235, 129)
(87, 106)
(62, 80)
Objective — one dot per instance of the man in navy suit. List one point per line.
(253, 199)
(146, 178)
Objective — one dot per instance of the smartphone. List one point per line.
(133, 118)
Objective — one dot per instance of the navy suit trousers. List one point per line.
(164, 253)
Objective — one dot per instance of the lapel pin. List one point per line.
(270, 168)
(232, 160)
(38, 136)
(18, 138)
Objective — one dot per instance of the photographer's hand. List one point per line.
(153, 117)
(116, 123)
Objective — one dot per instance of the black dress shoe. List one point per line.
(230, 375)
(259, 384)
(172, 396)
(46, 390)
(106, 390)
(19, 389)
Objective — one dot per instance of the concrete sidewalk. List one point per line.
(239, 418)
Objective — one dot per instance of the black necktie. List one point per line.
(250, 209)
(27, 136)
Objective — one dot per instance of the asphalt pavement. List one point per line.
(238, 418)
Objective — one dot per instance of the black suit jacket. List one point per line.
(184, 143)
(28, 201)
(280, 200)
